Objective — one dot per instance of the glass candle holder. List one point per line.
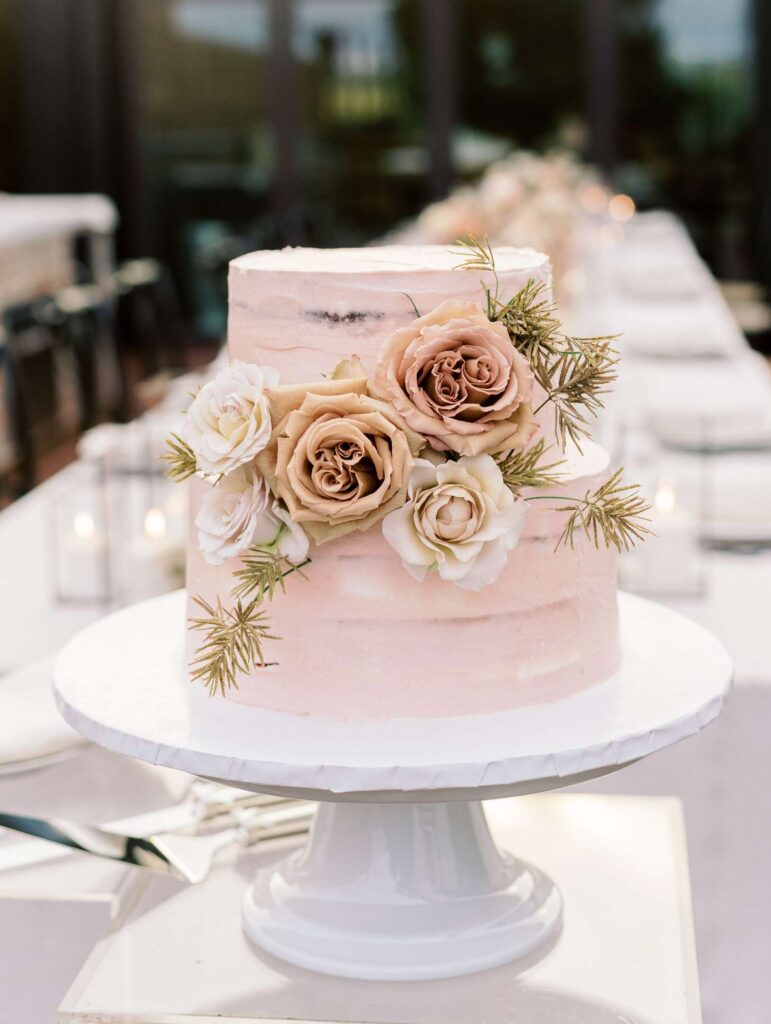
(670, 561)
(80, 531)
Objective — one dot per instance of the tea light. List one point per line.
(669, 561)
(153, 557)
(155, 524)
(83, 560)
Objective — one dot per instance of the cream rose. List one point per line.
(240, 512)
(455, 377)
(228, 422)
(338, 459)
(461, 521)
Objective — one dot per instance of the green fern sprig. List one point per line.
(615, 513)
(575, 373)
(233, 639)
(478, 254)
(575, 380)
(522, 468)
(529, 318)
(263, 572)
(180, 458)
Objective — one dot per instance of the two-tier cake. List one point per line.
(390, 515)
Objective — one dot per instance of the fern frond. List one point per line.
(262, 572)
(615, 513)
(232, 643)
(180, 458)
(522, 468)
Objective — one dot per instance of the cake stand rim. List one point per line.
(438, 780)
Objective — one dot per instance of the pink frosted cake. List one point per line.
(378, 526)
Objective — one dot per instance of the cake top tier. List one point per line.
(381, 259)
(303, 310)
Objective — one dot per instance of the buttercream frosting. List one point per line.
(361, 638)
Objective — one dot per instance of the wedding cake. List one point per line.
(395, 510)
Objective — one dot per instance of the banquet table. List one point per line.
(719, 775)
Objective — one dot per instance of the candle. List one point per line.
(155, 524)
(154, 557)
(83, 560)
(669, 561)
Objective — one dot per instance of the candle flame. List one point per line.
(665, 498)
(83, 525)
(155, 523)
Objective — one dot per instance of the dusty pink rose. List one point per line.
(338, 459)
(457, 379)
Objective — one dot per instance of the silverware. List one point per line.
(187, 857)
(206, 805)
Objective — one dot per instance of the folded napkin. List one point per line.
(700, 404)
(648, 271)
(31, 726)
(677, 330)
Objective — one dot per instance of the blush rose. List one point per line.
(455, 377)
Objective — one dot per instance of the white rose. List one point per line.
(291, 541)
(240, 512)
(460, 521)
(228, 422)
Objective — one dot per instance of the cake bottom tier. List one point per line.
(360, 639)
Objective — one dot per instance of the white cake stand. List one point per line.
(400, 878)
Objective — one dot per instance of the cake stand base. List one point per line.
(404, 892)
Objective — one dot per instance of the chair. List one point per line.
(147, 312)
(17, 463)
(85, 320)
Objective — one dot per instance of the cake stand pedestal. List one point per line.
(400, 879)
(401, 892)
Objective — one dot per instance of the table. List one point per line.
(626, 952)
(55, 910)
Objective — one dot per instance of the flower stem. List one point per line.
(296, 568)
(553, 497)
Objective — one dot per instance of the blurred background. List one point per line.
(219, 127)
(146, 143)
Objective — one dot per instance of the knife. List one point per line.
(205, 805)
(186, 857)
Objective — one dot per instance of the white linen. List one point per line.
(31, 727)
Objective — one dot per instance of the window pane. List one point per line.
(10, 100)
(205, 140)
(521, 70)
(363, 154)
(686, 101)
